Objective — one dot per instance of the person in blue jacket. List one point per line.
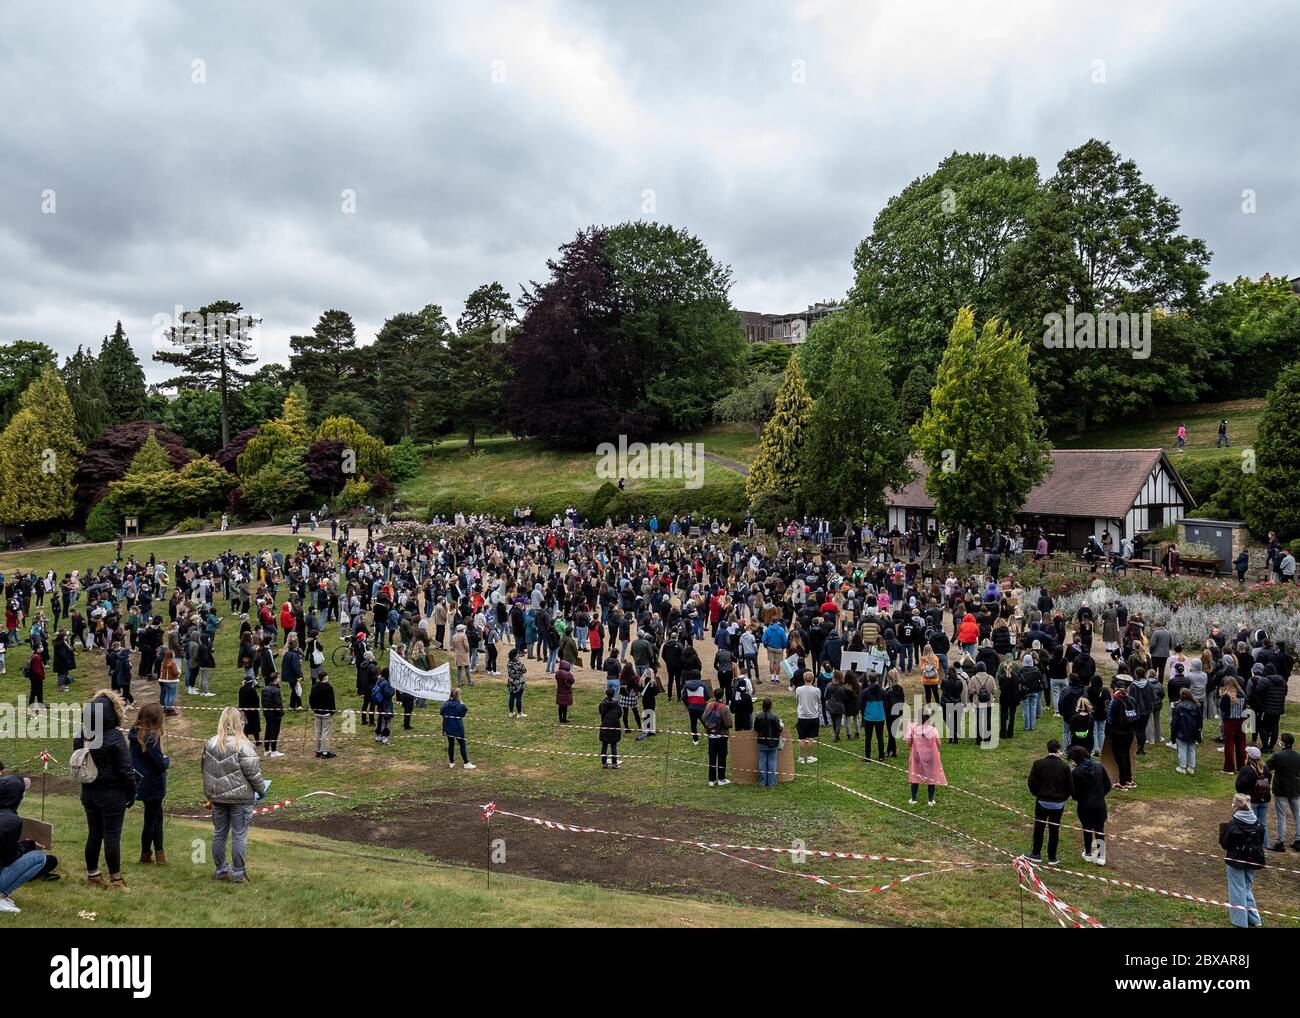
(453, 726)
(775, 639)
(147, 759)
(382, 694)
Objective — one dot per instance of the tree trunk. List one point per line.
(469, 445)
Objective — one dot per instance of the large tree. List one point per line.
(981, 437)
(487, 305)
(776, 469)
(21, 363)
(122, 377)
(399, 360)
(633, 332)
(107, 458)
(1273, 495)
(855, 446)
(938, 245)
(211, 345)
(38, 454)
(324, 360)
(90, 404)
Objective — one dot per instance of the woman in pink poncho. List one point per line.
(923, 764)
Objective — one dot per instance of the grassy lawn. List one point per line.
(502, 472)
(1160, 430)
(302, 878)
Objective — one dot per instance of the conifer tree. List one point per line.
(775, 470)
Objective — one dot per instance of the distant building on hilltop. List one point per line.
(789, 329)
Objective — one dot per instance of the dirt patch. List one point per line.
(444, 827)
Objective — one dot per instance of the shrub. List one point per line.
(103, 522)
(769, 510)
(157, 525)
(190, 524)
(405, 459)
(355, 493)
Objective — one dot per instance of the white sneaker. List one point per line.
(7, 905)
(452, 766)
(512, 713)
(801, 760)
(929, 802)
(1087, 856)
(1171, 745)
(523, 715)
(275, 755)
(1100, 857)
(189, 691)
(1180, 770)
(209, 694)
(911, 802)
(471, 767)
(1191, 770)
(812, 759)
(725, 781)
(712, 783)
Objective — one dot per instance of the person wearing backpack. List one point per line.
(611, 729)
(1030, 688)
(871, 705)
(1255, 781)
(1185, 722)
(101, 762)
(979, 693)
(717, 728)
(742, 703)
(1242, 841)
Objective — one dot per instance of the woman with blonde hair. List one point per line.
(232, 781)
(1231, 707)
(107, 798)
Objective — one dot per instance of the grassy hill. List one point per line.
(1160, 430)
(502, 473)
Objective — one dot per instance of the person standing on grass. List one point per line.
(383, 697)
(717, 727)
(65, 660)
(649, 696)
(1242, 841)
(460, 655)
(516, 683)
(809, 710)
(564, 690)
(1231, 707)
(34, 669)
(1185, 722)
(924, 765)
(1254, 781)
(273, 711)
(107, 798)
(696, 694)
(1051, 787)
(1121, 715)
(1089, 786)
(453, 727)
(767, 731)
(1285, 767)
(321, 701)
(610, 730)
(169, 681)
(232, 782)
(146, 743)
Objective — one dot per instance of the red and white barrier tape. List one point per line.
(1062, 912)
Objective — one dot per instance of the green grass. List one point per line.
(1160, 430)
(502, 473)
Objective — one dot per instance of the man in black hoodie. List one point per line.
(20, 861)
(1050, 785)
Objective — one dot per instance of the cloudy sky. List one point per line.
(192, 152)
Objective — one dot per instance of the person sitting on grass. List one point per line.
(20, 861)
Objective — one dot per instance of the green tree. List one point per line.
(1273, 496)
(914, 400)
(981, 437)
(152, 458)
(326, 359)
(21, 362)
(487, 306)
(90, 404)
(211, 345)
(38, 454)
(752, 402)
(776, 469)
(278, 486)
(196, 417)
(369, 453)
(941, 243)
(401, 360)
(122, 377)
(855, 446)
(261, 397)
(824, 339)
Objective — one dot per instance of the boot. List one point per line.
(1100, 856)
(116, 882)
(146, 858)
(96, 880)
(160, 857)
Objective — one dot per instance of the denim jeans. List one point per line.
(1098, 735)
(1187, 755)
(1261, 814)
(167, 693)
(1058, 687)
(1029, 711)
(231, 819)
(1241, 892)
(1281, 805)
(21, 870)
(767, 766)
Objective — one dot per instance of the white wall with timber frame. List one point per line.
(1158, 504)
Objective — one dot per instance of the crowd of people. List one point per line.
(842, 631)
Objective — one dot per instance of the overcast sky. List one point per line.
(477, 137)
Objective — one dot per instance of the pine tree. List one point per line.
(982, 437)
(324, 360)
(90, 404)
(212, 343)
(121, 377)
(38, 454)
(775, 470)
(151, 459)
(294, 416)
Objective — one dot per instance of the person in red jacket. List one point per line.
(287, 621)
(968, 633)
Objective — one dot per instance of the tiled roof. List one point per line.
(1100, 483)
